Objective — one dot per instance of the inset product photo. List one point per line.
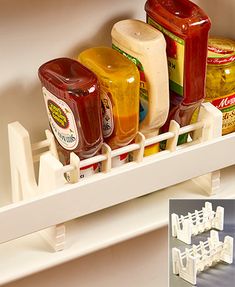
(201, 243)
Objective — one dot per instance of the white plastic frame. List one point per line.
(184, 227)
(112, 185)
(202, 256)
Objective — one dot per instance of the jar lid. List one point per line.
(220, 51)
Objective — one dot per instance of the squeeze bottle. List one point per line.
(146, 48)
(72, 98)
(119, 84)
(185, 27)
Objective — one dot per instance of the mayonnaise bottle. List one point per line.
(146, 47)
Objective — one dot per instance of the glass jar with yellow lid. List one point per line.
(220, 79)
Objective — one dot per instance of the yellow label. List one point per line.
(176, 67)
(195, 116)
(152, 149)
(175, 54)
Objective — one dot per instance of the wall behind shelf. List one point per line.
(222, 14)
(33, 32)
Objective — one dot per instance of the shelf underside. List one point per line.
(30, 254)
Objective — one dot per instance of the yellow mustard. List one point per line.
(119, 84)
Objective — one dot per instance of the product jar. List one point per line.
(220, 79)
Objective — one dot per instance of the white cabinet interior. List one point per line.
(33, 32)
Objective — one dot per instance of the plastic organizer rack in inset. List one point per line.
(50, 192)
(202, 256)
(183, 227)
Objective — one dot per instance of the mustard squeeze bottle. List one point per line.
(119, 83)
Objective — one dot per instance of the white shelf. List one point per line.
(30, 254)
(119, 185)
(114, 193)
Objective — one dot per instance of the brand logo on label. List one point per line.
(225, 102)
(58, 115)
(219, 50)
(89, 170)
(107, 115)
(219, 61)
(61, 120)
(176, 57)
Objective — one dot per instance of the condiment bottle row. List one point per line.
(105, 96)
(154, 72)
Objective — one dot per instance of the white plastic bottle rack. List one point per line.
(183, 227)
(202, 256)
(50, 193)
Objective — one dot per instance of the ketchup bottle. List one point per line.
(185, 27)
(72, 98)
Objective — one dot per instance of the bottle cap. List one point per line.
(220, 51)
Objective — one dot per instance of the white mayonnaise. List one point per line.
(146, 47)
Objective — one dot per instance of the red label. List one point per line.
(142, 76)
(220, 50)
(224, 102)
(123, 156)
(217, 61)
(94, 166)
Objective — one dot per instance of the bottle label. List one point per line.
(86, 171)
(175, 49)
(227, 106)
(120, 160)
(220, 51)
(89, 170)
(107, 114)
(151, 149)
(61, 120)
(144, 97)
